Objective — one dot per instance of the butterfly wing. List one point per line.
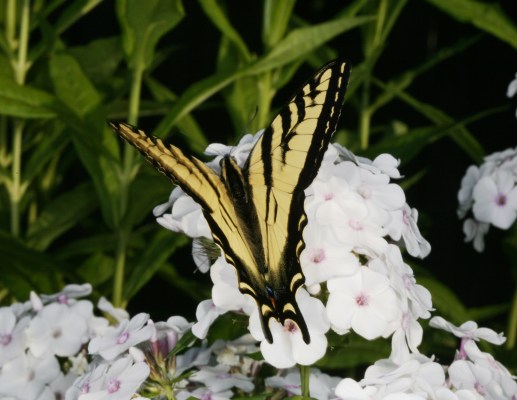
(209, 191)
(281, 165)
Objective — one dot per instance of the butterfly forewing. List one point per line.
(283, 163)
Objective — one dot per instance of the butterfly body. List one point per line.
(256, 212)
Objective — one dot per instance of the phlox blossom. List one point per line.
(288, 347)
(120, 338)
(364, 302)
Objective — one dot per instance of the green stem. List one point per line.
(120, 264)
(512, 323)
(20, 70)
(128, 173)
(21, 67)
(10, 23)
(264, 100)
(365, 115)
(379, 26)
(305, 373)
(16, 192)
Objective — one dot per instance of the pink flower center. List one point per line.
(361, 300)
(479, 388)
(290, 327)
(328, 196)
(500, 200)
(62, 299)
(317, 255)
(113, 386)
(355, 225)
(5, 339)
(85, 388)
(206, 396)
(405, 217)
(123, 338)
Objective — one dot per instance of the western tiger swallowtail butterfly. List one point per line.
(256, 212)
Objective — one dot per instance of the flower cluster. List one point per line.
(54, 347)
(357, 218)
(488, 196)
(47, 355)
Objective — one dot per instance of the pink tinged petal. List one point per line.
(279, 353)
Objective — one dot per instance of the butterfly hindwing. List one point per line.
(256, 212)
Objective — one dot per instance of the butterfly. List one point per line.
(255, 212)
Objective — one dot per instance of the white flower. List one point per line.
(118, 313)
(321, 386)
(25, 377)
(186, 215)
(225, 293)
(206, 313)
(502, 380)
(58, 329)
(475, 232)
(324, 257)
(467, 375)
(288, 347)
(495, 200)
(468, 182)
(119, 339)
(72, 291)
(403, 224)
(364, 302)
(468, 330)
(120, 381)
(91, 381)
(12, 337)
(219, 379)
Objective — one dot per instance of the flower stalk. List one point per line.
(20, 67)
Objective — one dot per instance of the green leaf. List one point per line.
(488, 17)
(445, 300)
(87, 245)
(24, 269)
(62, 213)
(49, 146)
(187, 124)
(97, 269)
(72, 86)
(357, 352)
(489, 312)
(276, 18)
(100, 58)
(147, 190)
(143, 24)
(300, 42)
(73, 12)
(24, 101)
(216, 14)
(155, 254)
(186, 341)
